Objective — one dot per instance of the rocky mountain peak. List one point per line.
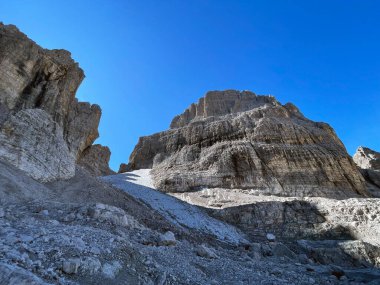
(237, 139)
(221, 103)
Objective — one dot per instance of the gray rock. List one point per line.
(71, 266)
(206, 252)
(271, 237)
(110, 270)
(95, 159)
(281, 250)
(43, 127)
(233, 139)
(34, 143)
(90, 265)
(14, 275)
(368, 161)
(367, 158)
(124, 168)
(167, 239)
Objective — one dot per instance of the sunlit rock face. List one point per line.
(367, 158)
(368, 161)
(38, 87)
(233, 139)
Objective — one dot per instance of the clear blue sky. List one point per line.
(146, 61)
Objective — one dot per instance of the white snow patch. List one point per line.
(139, 184)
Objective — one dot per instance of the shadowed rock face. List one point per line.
(233, 139)
(96, 159)
(38, 86)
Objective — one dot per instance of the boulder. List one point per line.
(71, 266)
(168, 238)
(232, 139)
(206, 252)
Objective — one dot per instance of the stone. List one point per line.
(206, 252)
(271, 237)
(96, 159)
(90, 265)
(71, 266)
(167, 239)
(11, 274)
(43, 128)
(110, 270)
(239, 140)
(111, 214)
(281, 250)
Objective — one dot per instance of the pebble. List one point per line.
(270, 237)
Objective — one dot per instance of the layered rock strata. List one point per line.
(43, 128)
(233, 139)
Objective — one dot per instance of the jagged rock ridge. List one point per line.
(233, 139)
(368, 162)
(43, 128)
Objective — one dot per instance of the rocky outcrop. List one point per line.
(123, 168)
(366, 158)
(95, 159)
(44, 129)
(368, 162)
(233, 139)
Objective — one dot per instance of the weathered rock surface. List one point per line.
(233, 139)
(368, 161)
(367, 158)
(33, 142)
(95, 159)
(37, 87)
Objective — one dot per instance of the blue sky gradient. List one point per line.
(146, 61)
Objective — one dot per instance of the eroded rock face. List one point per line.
(33, 78)
(233, 139)
(33, 142)
(95, 159)
(367, 158)
(368, 161)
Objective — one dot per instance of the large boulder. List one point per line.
(233, 139)
(33, 78)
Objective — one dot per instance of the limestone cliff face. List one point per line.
(95, 159)
(233, 139)
(368, 162)
(39, 110)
